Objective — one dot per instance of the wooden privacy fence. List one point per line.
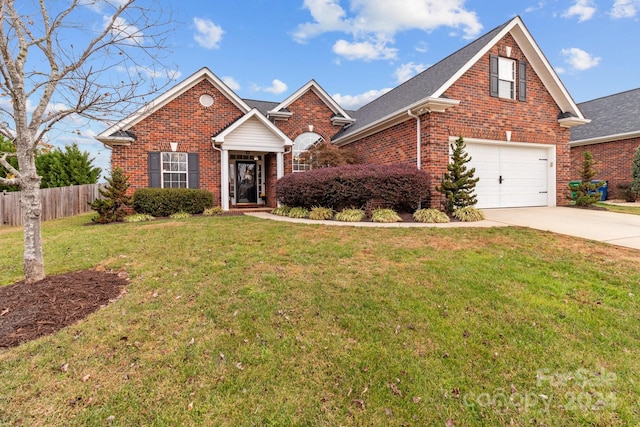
(57, 202)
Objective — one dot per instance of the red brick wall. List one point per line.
(185, 121)
(477, 116)
(615, 160)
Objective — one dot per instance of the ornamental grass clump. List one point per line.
(321, 213)
(214, 211)
(385, 215)
(299, 212)
(281, 210)
(430, 216)
(138, 218)
(180, 215)
(350, 215)
(468, 214)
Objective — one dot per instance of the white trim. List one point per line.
(536, 59)
(569, 122)
(110, 142)
(224, 184)
(170, 95)
(254, 113)
(324, 96)
(551, 150)
(423, 106)
(606, 138)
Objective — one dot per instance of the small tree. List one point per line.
(112, 207)
(586, 193)
(458, 183)
(325, 155)
(635, 172)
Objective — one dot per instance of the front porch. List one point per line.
(252, 154)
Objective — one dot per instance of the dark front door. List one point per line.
(246, 189)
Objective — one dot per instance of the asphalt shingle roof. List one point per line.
(610, 115)
(420, 86)
(262, 106)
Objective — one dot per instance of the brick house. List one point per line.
(499, 93)
(613, 136)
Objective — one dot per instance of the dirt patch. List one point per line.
(30, 311)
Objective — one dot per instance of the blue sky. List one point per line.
(357, 49)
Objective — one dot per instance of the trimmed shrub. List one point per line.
(468, 214)
(320, 213)
(298, 212)
(166, 201)
(281, 210)
(138, 218)
(216, 210)
(400, 187)
(350, 215)
(430, 216)
(626, 192)
(180, 215)
(385, 215)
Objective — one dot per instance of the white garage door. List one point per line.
(510, 176)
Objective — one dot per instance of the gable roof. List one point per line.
(426, 89)
(281, 110)
(114, 134)
(253, 114)
(612, 117)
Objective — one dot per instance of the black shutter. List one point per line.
(522, 81)
(493, 75)
(194, 174)
(155, 180)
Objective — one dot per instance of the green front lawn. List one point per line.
(240, 321)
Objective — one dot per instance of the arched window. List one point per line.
(300, 145)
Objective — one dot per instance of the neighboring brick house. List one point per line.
(612, 137)
(499, 93)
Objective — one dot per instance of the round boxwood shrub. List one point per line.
(167, 201)
(401, 187)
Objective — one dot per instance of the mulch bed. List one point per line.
(29, 311)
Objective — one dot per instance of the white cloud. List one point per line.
(352, 102)
(580, 60)
(231, 82)
(374, 23)
(208, 34)
(364, 50)
(123, 31)
(406, 71)
(539, 6)
(277, 87)
(583, 9)
(625, 8)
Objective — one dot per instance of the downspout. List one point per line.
(418, 148)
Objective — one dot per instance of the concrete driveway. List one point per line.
(614, 228)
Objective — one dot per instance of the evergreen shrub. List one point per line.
(160, 202)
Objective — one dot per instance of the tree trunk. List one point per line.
(31, 215)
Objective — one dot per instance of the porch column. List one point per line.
(224, 182)
(279, 165)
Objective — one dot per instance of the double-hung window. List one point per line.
(174, 170)
(506, 78)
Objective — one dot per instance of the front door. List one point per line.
(246, 188)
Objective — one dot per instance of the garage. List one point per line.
(513, 175)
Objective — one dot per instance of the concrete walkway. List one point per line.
(609, 227)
